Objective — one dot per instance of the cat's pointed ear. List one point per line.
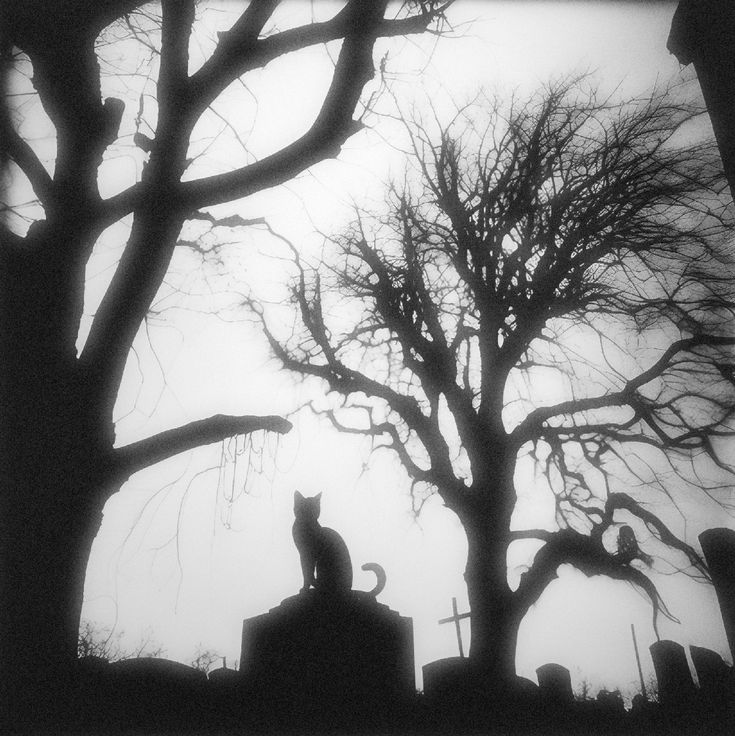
(297, 496)
(318, 496)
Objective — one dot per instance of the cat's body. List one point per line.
(325, 559)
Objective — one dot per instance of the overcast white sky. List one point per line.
(191, 547)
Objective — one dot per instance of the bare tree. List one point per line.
(203, 659)
(58, 464)
(569, 243)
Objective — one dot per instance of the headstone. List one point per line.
(555, 683)
(462, 696)
(523, 701)
(610, 703)
(152, 692)
(675, 684)
(95, 690)
(223, 676)
(712, 672)
(718, 546)
(226, 708)
(92, 665)
(326, 658)
(158, 672)
(446, 679)
(526, 687)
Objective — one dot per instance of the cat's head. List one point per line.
(306, 508)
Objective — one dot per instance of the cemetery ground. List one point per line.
(322, 662)
(158, 696)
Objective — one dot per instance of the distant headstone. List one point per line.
(157, 672)
(153, 693)
(718, 546)
(223, 676)
(329, 658)
(675, 684)
(93, 665)
(712, 672)
(524, 698)
(526, 687)
(447, 679)
(555, 683)
(461, 695)
(610, 702)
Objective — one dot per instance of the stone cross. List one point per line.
(456, 617)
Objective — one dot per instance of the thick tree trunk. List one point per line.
(54, 450)
(50, 512)
(45, 546)
(495, 616)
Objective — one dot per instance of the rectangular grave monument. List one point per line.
(675, 684)
(331, 659)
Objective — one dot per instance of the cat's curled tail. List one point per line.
(379, 574)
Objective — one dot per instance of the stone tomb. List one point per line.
(327, 658)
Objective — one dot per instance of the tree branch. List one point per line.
(589, 557)
(241, 50)
(333, 126)
(540, 534)
(23, 155)
(139, 455)
(345, 380)
(532, 426)
(397, 445)
(360, 23)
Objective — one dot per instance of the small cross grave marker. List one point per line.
(456, 617)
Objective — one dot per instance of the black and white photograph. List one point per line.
(367, 367)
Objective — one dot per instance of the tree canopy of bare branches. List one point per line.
(548, 285)
(58, 464)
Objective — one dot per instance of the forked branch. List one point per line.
(589, 557)
(532, 427)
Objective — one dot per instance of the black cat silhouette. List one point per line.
(325, 559)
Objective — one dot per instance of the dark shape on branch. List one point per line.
(143, 141)
(628, 549)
